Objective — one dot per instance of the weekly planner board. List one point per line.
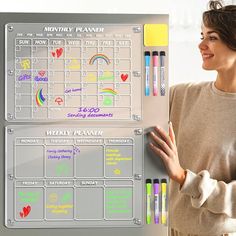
(85, 72)
(81, 177)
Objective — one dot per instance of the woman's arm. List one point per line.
(216, 196)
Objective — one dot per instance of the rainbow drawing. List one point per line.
(107, 91)
(99, 56)
(40, 99)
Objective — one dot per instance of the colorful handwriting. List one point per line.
(28, 196)
(60, 209)
(113, 157)
(59, 151)
(24, 77)
(118, 201)
(59, 157)
(90, 115)
(88, 112)
(59, 154)
(73, 90)
(37, 78)
(88, 109)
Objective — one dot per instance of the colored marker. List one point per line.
(162, 73)
(156, 201)
(163, 201)
(148, 191)
(147, 73)
(155, 77)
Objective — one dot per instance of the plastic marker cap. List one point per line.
(163, 185)
(154, 57)
(149, 192)
(147, 58)
(156, 186)
(162, 53)
(149, 184)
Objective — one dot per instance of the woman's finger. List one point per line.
(161, 143)
(164, 136)
(158, 152)
(171, 133)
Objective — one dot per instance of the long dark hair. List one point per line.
(223, 20)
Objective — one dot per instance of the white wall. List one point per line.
(185, 25)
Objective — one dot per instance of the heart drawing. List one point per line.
(124, 77)
(58, 52)
(25, 211)
(42, 73)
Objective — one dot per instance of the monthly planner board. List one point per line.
(73, 71)
(83, 177)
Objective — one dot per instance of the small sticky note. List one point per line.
(156, 35)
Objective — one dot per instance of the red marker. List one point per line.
(155, 78)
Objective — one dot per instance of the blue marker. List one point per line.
(147, 73)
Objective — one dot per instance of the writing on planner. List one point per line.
(57, 53)
(25, 64)
(89, 109)
(62, 169)
(60, 209)
(43, 79)
(89, 112)
(71, 90)
(41, 76)
(124, 77)
(60, 154)
(25, 211)
(90, 115)
(24, 77)
(58, 100)
(31, 197)
(74, 64)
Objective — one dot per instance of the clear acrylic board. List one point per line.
(73, 71)
(81, 176)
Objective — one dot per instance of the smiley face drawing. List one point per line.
(53, 197)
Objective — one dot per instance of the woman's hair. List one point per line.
(223, 20)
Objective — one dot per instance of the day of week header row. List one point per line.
(72, 42)
(92, 141)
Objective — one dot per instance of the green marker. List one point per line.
(149, 192)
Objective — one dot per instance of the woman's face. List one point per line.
(215, 54)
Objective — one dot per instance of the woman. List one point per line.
(203, 170)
